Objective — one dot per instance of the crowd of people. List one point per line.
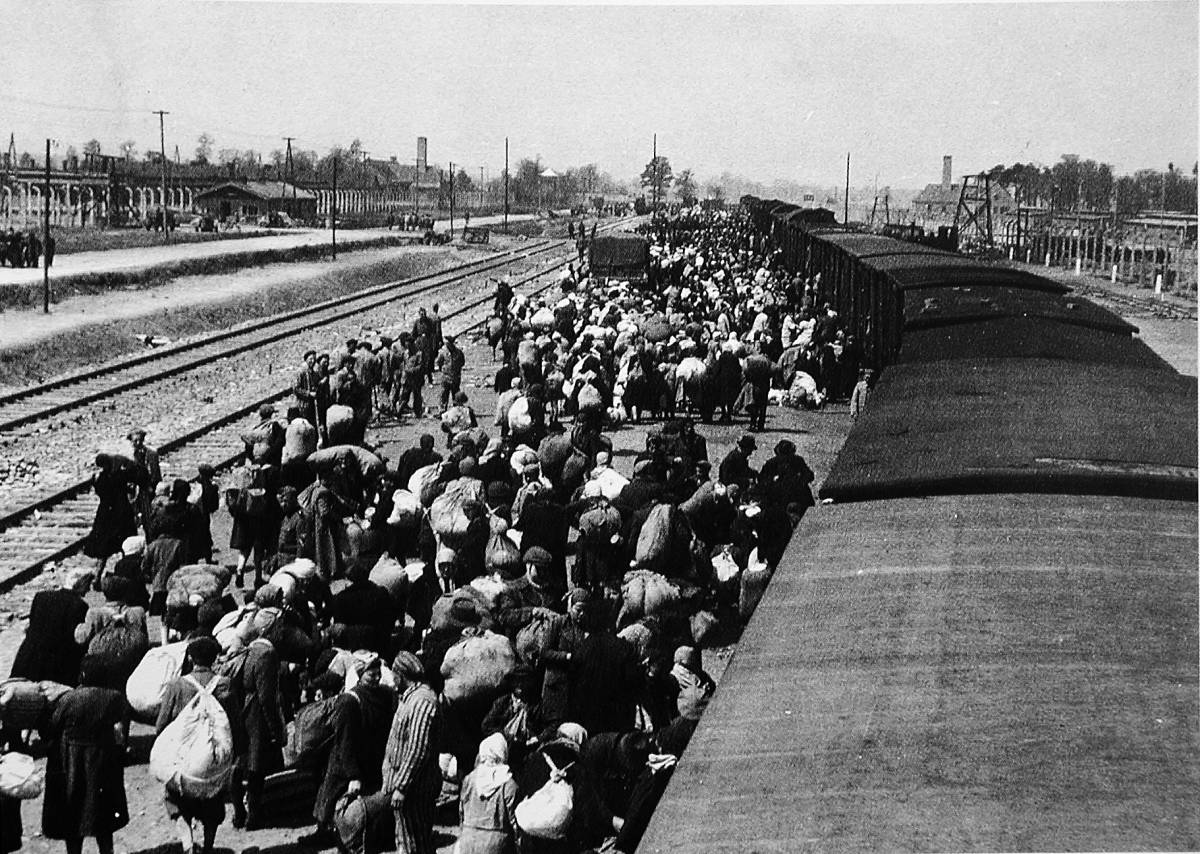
(25, 249)
(499, 620)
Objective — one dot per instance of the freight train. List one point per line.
(985, 638)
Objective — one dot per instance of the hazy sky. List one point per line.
(761, 91)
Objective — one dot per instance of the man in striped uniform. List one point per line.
(410, 765)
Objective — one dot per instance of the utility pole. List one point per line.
(416, 186)
(362, 178)
(162, 141)
(846, 201)
(654, 177)
(333, 209)
(451, 199)
(481, 189)
(506, 185)
(46, 238)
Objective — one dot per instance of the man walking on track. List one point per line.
(450, 362)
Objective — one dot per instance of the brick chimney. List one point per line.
(947, 172)
(422, 147)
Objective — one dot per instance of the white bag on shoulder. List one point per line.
(193, 756)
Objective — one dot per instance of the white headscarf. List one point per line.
(491, 768)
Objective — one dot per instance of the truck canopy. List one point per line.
(620, 257)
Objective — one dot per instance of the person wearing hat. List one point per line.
(369, 370)
(49, 650)
(450, 362)
(735, 468)
(424, 336)
(346, 389)
(412, 378)
(411, 774)
(535, 592)
(147, 473)
(209, 812)
(305, 388)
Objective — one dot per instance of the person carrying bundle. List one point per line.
(181, 808)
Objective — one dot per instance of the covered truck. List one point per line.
(624, 256)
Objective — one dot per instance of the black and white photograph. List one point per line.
(580, 428)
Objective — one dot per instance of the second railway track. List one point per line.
(35, 403)
(53, 524)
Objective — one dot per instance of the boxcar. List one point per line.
(985, 637)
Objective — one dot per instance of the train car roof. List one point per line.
(1021, 425)
(866, 245)
(914, 265)
(962, 673)
(1009, 337)
(948, 270)
(926, 306)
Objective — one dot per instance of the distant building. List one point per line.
(937, 203)
(249, 200)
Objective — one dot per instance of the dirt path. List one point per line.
(24, 327)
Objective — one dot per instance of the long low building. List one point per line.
(247, 200)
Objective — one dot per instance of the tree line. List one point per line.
(1076, 184)
(529, 183)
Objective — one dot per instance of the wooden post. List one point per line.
(46, 237)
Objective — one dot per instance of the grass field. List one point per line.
(99, 240)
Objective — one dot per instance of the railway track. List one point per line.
(25, 407)
(53, 526)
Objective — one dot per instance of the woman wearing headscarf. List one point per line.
(487, 802)
(114, 517)
(85, 767)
